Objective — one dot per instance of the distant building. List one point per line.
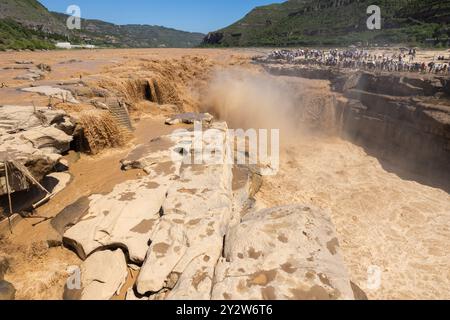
(63, 45)
(68, 45)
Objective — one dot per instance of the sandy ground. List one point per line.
(382, 220)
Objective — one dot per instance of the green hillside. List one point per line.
(338, 22)
(132, 36)
(31, 14)
(26, 24)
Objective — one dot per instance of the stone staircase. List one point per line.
(120, 112)
(7, 124)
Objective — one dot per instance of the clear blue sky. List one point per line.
(190, 15)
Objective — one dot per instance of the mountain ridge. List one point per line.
(336, 22)
(27, 24)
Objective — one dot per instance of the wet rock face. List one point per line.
(282, 253)
(402, 119)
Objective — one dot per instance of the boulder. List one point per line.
(30, 76)
(102, 276)
(126, 217)
(28, 132)
(30, 136)
(23, 62)
(129, 215)
(189, 238)
(58, 181)
(62, 165)
(131, 296)
(19, 118)
(48, 139)
(58, 93)
(7, 291)
(190, 118)
(282, 253)
(153, 156)
(44, 67)
(70, 215)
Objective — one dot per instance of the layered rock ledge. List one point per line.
(190, 231)
(404, 119)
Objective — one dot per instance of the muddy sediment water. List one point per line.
(401, 227)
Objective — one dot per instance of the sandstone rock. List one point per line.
(62, 179)
(31, 76)
(245, 185)
(156, 156)
(53, 92)
(23, 62)
(17, 118)
(15, 67)
(358, 292)
(102, 276)
(190, 118)
(99, 105)
(129, 215)
(282, 253)
(126, 217)
(29, 138)
(44, 67)
(70, 215)
(189, 238)
(39, 141)
(48, 139)
(7, 291)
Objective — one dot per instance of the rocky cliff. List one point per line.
(336, 23)
(404, 120)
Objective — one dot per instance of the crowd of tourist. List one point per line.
(402, 61)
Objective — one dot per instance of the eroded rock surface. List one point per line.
(53, 92)
(129, 215)
(190, 118)
(189, 224)
(102, 276)
(20, 118)
(282, 253)
(32, 137)
(189, 238)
